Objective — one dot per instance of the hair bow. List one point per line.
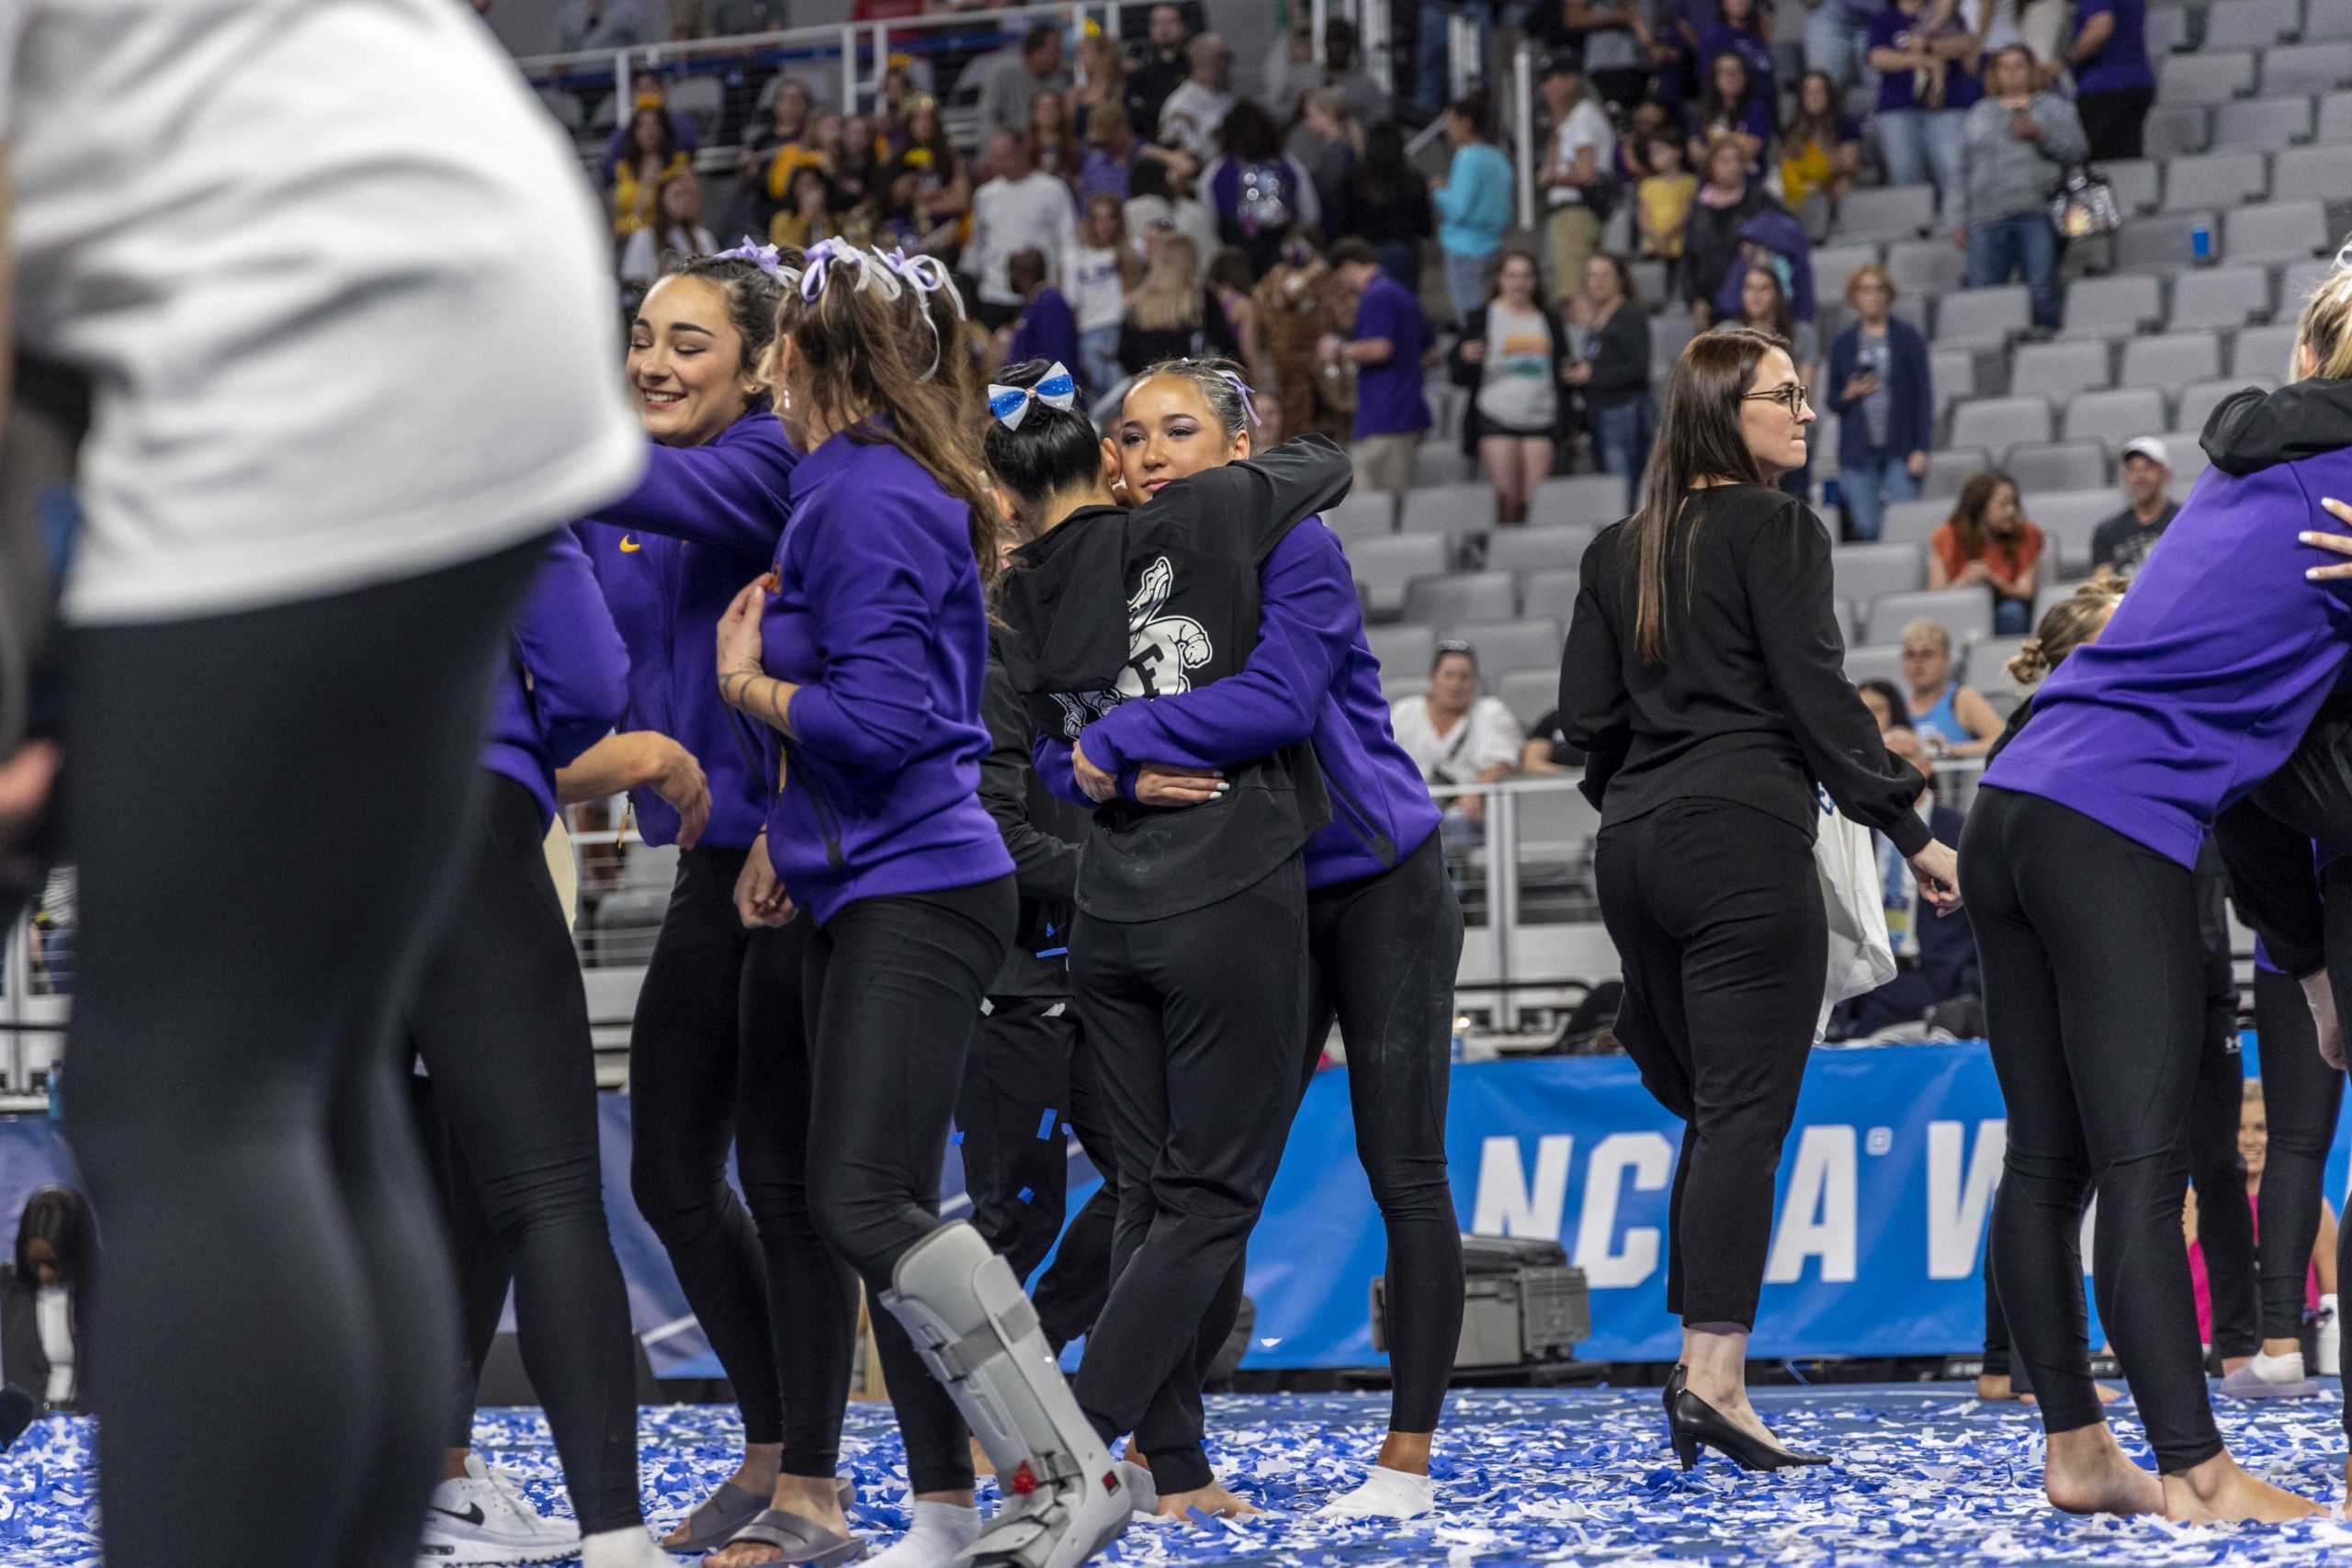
(1241, 389)
(1057, 390)
(767, 258)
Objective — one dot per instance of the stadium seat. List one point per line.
(1996, 423)
(1404, 650)
(1671, 329)
(2173, 129)
(2297, 279)
(2218, 296)
(2137, 181)
(2323, 21)
(1530, 695)
(2114, 307)
(1950, 468)
(1953, 371)
(1384, 566)
(1538, 547)
(1445, 602)
(1986, 665)
(566, 107)
(1367, 514)
(2164, 243)
(1437, 464)
(2221, 180)
(2188, 459)
(1551, 592)
(1843, 609)
(1914, 522)
(2061, 368)
(1926, 267)
(1456, 511)
(2310, 173)
(2246, 24)
(2166, 30)
(1881, 663)
(2114, 417)
(1398, 686)
(1589, 501)
(1507, 647)
(2260, 123)
(2056, 464)
(2335, 127)
(1964, 611)
(1447, 403)
(2198, 399)
(702, 100)
(1886, 212)
(1862, 572)
(2205, 78)
(2305, 67)
(2171, 359)
(1983, 317)
(2069, 517)
(2263, 351)
(1649, 280)
(2277, 230)
(1832, 265)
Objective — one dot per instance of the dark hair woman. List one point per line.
(1389, 205)
(1728, 197)
(1702, 680)
(45, 1300)
(1989, 542)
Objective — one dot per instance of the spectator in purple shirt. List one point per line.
(1739, 105)
(1739, 30)
(1047, 328)
(1391, 336)
(2114, 83)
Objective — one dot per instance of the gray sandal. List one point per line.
(716, 1518)
(801, 1540)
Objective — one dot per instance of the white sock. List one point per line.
(626, 1547)
(1386, 1495)
(1143, 1485)
(940, 1532)
(2288, 1368)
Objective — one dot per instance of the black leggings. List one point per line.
(1199, 1022)
(500, 1020)
(1386, 951)
(1714, 911)
(2094, 971)
(2115, 123)
(237, 1103)
(1031, 1076)
(719, 1054)
(2224, 1219)
(2301, 1097)
(475, 1250)
(892, 989)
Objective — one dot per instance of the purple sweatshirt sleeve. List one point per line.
(734, 494)
(873, 704)
(1050, 755)
(572, 654)
(1306, 622)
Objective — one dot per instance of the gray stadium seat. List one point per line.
(2215, 179)
(1368, 514)
(2335, 119)
(1384, 566)
(1926, 267)
(1953, 371)
(2068, 516)
(1875, 664)
(1649, 280)
(1949, 469)
(1671, 329)
(1550, 593)
(2114, 417)
(2247, 24)
(1530, 695)
(1507, 647)
(2137, 181)
(1843, 609)
(1915, 522)
(2261, 123)
(2263, 351)
(2198, 399)
(1995, 423)
(1397, 686)
(1832, 265)
(2114, 307)
(1592, 500)
(1987, 316)
(2188, 459)
(702, 100)
(1985, 664)
(2305, 67)
(2310, 173)
(1456, 511)
(2052, 594)
(1445, 602)
(2323, 21)
(1447, 402)
(1405, 651)
(2218, 296)
(2297, 281)
(2173, 129)
(2277, 230)
(2203, 78)
(2171, 359)
(1862, 572)
(1437, 463)
(2060, 368)
(1538, 547)
(2166, 30)
(1964, 611)
(567, 109)
(2056, 464)
(1886, 212)
(2162, 244)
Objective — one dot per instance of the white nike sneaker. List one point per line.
(485, 1518)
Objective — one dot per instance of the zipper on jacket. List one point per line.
(1382, 847)
(828, 821)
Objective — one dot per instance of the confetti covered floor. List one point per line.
(1925, 1475)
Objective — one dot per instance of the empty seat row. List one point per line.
(2217, 75)
(1506, 647)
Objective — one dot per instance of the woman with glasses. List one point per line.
(1704, 680)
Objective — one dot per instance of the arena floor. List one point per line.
(1925, 1475)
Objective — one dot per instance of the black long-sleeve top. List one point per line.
(1042, 832)
(1751, 703)
(1620, 358)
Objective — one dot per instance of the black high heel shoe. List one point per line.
(1692, 1423)
(1675, 1382)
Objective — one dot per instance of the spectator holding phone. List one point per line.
(1881, 389)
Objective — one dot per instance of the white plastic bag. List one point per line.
(1844, 862)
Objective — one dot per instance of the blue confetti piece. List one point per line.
(1052, 952)
(1045, 1123)
(1026, 1193)
(1068, 1131)
(956, 1136)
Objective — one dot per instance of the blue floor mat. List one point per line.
(1924, 1475)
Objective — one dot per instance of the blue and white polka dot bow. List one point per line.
(1010, 405)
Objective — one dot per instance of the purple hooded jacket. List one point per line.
(565, 681)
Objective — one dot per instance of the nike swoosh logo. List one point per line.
(472, 1515)
(629, 546)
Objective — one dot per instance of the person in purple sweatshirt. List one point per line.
(705, 1071)
(864, 651)
(1384, 927)
(499, 1017)
(2077, 865)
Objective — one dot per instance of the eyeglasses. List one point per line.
(1791, 397)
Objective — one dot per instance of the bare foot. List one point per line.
(981, 1465)
(1731, 1403)
(811, 1497)
(1994, 1388)
(1210, 1499)
(2105, 1395)
(2218, 1492)
(2086, 1472)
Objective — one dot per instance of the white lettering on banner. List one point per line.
(1959, 1193)
(1818, 1219)
(1504, 1206)
(1650, 1158)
